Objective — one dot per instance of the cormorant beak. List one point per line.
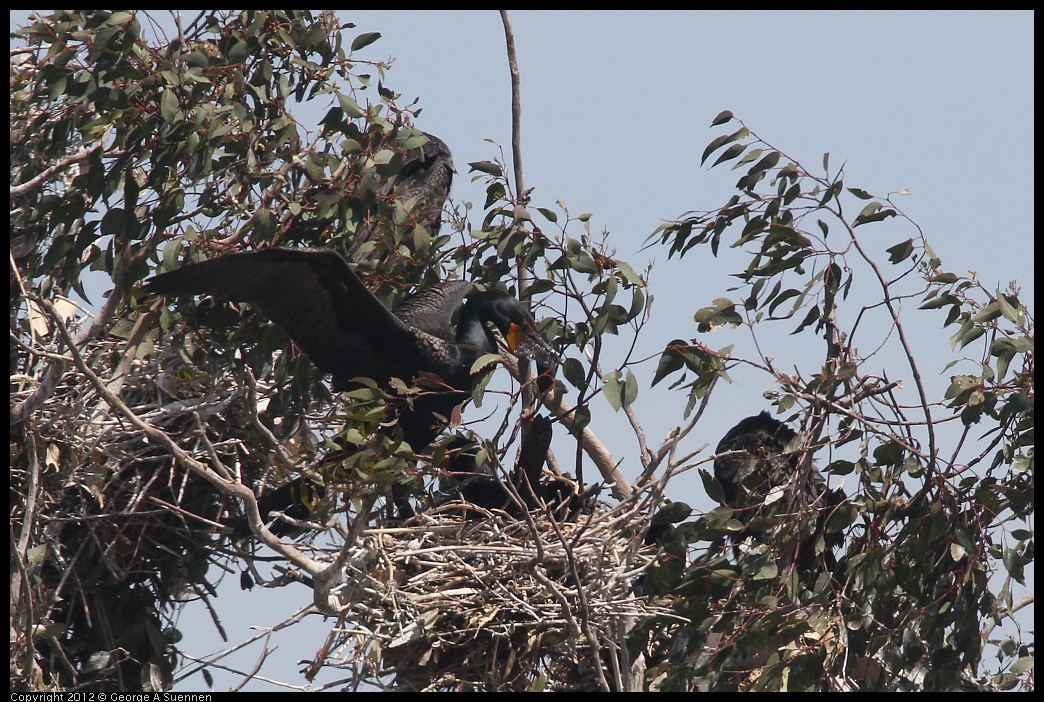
(527, 343)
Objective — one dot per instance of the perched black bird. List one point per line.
(417, 192)
(476, 485)
(424, 182)
(314, 295)
(747, 478)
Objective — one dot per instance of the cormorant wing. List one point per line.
(531, 458)
(315, 296)
(431, 309)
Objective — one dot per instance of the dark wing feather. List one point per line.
(764, 439)
(317, 299)
(531, 458)
(431, 309)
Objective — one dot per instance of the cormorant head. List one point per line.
(514, 322)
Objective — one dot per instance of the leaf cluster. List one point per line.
(929, 534)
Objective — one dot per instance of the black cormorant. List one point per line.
(768, 465)
(525, 487)
(314, 295)
(417, 191)
(424, 182)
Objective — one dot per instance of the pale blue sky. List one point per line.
(616, 112)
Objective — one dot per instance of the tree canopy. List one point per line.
(142, 429)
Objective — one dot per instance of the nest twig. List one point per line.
(447, 603)
(126, 531)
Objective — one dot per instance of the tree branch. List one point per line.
(162, 439)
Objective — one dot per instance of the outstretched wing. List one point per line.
(317, 299)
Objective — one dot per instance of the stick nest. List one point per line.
(495, 604)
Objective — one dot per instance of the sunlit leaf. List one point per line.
(350, 106)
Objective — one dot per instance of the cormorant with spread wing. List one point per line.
(749, 477)
(315, 296)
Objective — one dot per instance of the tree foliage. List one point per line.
(933, 519)
(140, 429)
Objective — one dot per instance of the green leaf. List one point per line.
(721, 141)
(549, 215)
(765, 164)
(748, 157)
(900, 252)
(722, 118)
(582, 262)
(715, 144)
(119, 17)
(840, 467)
(861, 194)
(730, 153)
(872, 213)
(628, 273)
(988, 313)
(169, 105)
(637, 302)
(812, 316)
(630, 390)
(382, 157)
(671, 360)
(941, 301)
(112, 222)
(487, 167)
(1007, 310)
(612, 390)
(1023, 665)
(35, 555)
(967, 335)
(783, 297)
(350, 106)
(713, 488)
(574, 372)
(672, 514)
(365, 39)
(722, 312)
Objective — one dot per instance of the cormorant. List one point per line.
(424, 182)
(767, 465)
(476, 485)
(418, 190)
(314, 295)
